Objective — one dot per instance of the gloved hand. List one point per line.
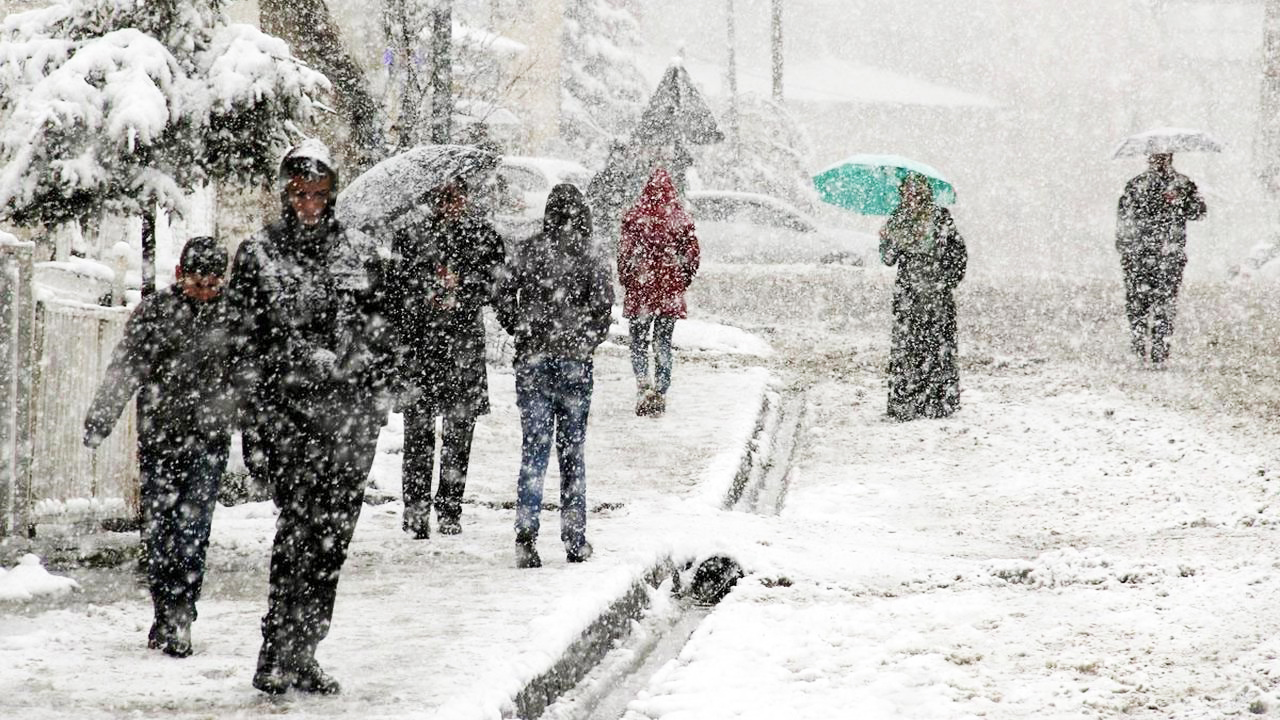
(324, 363)
(93, 438)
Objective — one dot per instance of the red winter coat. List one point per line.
(658, 255)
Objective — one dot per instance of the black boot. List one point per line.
(527, 552)
(177, 643)
(273, 675)
(579, 554)
(309, 677)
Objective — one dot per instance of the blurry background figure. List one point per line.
(174, 355)
(920, 237)
(558, 303)
(445, 267)
(1151, 236)
(657, 260)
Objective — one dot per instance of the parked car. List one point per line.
(521, 186)
(742, 227)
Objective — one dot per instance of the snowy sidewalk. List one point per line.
(442, 628)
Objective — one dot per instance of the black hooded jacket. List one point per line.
(558, 297)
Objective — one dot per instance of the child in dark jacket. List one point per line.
(174, 356)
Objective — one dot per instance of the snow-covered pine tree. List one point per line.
(604, 91)
(119, 106)
(769, 159)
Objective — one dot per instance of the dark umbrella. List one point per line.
(394, 187)
(676, 116)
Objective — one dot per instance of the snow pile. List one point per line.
(1069, 566)
(28, 579)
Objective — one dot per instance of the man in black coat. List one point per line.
(443, 271)
(1151, 235)
(312, 355)
(174, 356)
(557, 301)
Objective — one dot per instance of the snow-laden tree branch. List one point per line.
(119, 106)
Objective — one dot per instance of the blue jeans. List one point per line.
(659, 328)
(554, 396)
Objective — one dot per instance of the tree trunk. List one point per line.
(776, 37)
(148, 269)
(442, 72)
(731, 85)
(312, 36)
(1269, 117)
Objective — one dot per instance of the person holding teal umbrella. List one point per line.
(921, 239)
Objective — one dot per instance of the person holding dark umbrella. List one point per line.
(444, 268)
(1151, 237)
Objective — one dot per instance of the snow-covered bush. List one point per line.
(118, 106)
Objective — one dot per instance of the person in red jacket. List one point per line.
(657, 259)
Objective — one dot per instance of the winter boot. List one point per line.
(527, 552)
(580, 554)
(658, 405)
(310, 678)
(449, 525)
(415, 523)
(272, 676)
(177, 641)
(646, 402)
(156, 635)
(1159, 351)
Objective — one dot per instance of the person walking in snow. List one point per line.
(1151, 236)
(921, 239)
(312, 353)
(557, 303)
(174, 356)
(657, 260)
(442, 273)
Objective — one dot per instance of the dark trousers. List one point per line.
(456, 431)
(1151, 287)
(179, 490)
(656, 329)
(554, 396)
(318, 475)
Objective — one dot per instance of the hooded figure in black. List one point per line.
(557, 302)
(174, 356)
(1151, 236)
(920, 237)
(312, 355)
(444, 268)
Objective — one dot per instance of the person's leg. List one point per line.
(1165, 307)
(336, 496)
(457, 431)
(1138, 296)
(290, 457)
(572, 406)
(639, 329)
(536, 426)
(156, 495)
(663, 328)
(198, 473)
(418, 465)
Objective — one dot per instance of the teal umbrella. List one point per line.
(868, 184)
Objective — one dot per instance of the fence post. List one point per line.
(17, 316)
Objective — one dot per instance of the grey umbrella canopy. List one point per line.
(677, 115)
(1163, 141)
(394, 187)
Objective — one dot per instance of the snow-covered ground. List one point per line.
(1085, 538)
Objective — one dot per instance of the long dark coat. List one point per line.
(923, 378)
(438, 280)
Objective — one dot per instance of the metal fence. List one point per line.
(53, 353)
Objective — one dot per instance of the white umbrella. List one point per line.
(1161, 141)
